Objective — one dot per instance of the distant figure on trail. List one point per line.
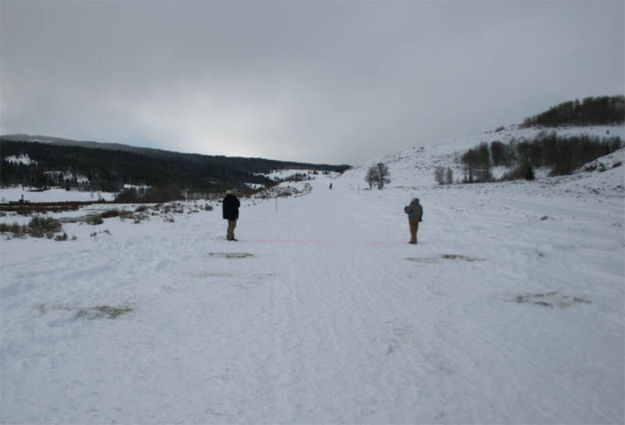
(330, 186)
(415, 215)
(231, 206)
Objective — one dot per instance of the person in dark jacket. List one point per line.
(231, 206)
(415, 215)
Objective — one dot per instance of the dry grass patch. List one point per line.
(97, 312)
(453, 257)
(230, 255)
(550, 299)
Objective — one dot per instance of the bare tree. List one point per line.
(450, 176)
(372, 176)
(383, 175)
(439, 175)
(443, 175)
(378, 174)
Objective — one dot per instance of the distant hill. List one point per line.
(41, 161)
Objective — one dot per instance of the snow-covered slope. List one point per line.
(509, 310)
(416, 165)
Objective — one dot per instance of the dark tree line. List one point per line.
(563, 154)
(590, 111)
(477, 164)
(109, 170)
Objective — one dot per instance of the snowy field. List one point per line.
(15, 194)
(509, 310)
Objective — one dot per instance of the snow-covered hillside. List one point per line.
(418, 163)
(509, 310)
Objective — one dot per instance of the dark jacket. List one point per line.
(414, 211)
(231, 207)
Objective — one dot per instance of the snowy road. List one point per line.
(510, 310)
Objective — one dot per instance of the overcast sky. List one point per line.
(332, 82)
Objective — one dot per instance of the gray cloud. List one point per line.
(308, 81)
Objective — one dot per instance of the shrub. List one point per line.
(113, 213)
(38, 227)
(44, 226)
(62, 237)
(16, 229)
(522, 171)
(94, 220)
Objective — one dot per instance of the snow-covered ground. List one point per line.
(509, 310)
(14, 194)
